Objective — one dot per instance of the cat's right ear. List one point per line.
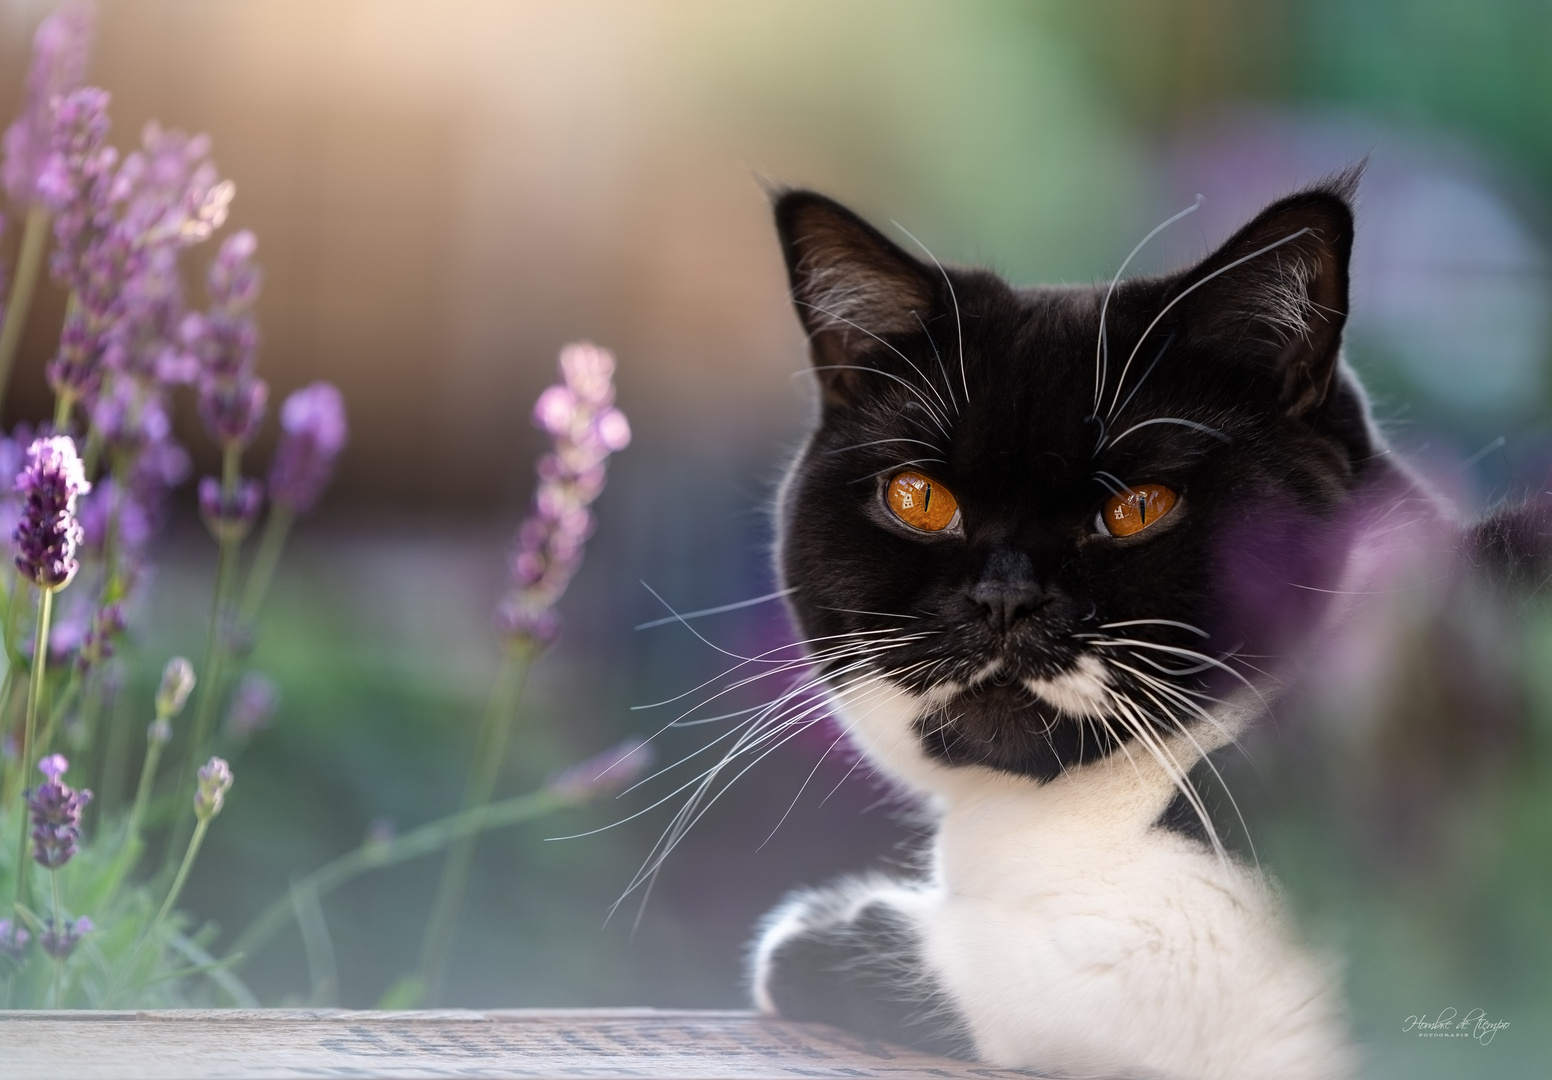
(853, 289)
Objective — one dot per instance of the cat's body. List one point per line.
(1059, 927)
(1043, 677)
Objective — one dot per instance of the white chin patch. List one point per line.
(1083, 691)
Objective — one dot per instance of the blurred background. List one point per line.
(446, 193)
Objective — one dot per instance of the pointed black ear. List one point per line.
(852, 287)
(1277, 291)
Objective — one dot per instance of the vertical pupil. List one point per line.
(1142, 509)
(926, 497)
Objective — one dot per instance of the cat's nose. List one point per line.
(1007, 589)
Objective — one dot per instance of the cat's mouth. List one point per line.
(1033, 727)
(1083, 689)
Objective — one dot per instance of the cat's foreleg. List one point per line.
(851, 955)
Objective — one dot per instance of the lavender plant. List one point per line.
(585, 428)
(88, 924)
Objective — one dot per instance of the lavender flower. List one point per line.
(118, 228)
(97, 644)
(177, 685)
(59, 53)
(233, 409)
(55, 810)
(60, 944)
(215, 778)
(579, 416)
(313, 432)
(48, 533)
(13, 940)
(253, 705)
(76, 180)
(230, 517)
(615, 768)
(225, 341)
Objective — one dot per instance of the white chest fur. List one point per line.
(1076, 938)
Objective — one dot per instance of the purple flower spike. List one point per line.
(215, 778)
(13, 940)
(60, 944)
(579, 416)
(614, 769)
(230, 518)
(97, 644)
(55, 811)
(233, 409)
(253, 706)
(313, 432)
(48, 534)
(226, 338)
(76, 180)
(60, 50)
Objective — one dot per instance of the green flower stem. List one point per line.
(29, 261)
(58, 709)
(209, 689)
(115, 746)
(34, 693)
(64, 403)
(59, 928)
(500, 718)
(13, 616)
(376, 854)
(130, 849)
(153, 757)
(201, 826)
(277, 527)
(92, 452)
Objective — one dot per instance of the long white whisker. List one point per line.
(1192, 424)
(692, 811)
(758, 657)
(1203, 756)
(767, 598)
(1171, 766)
(692, 782)
(1178, 651)
(1154, 622)
(1162, 350)
(926, 381)
(1102, 343)
(959, 325)
(879, 442)
(947, 385)
(1185, 293)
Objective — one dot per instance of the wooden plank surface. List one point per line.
(273, 1044)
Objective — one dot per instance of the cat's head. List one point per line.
(1061, 519)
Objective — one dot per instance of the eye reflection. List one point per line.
(921, 502)
(1136, 509)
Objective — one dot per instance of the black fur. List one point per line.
(866, 974)
(990, 390)
(1181, 818)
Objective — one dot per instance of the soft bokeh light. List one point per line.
(445, 194)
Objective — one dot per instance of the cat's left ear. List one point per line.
(1276, 293)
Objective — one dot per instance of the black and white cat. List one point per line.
(1050, 547)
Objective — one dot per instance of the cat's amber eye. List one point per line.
(920, 502)
(1136, 508)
